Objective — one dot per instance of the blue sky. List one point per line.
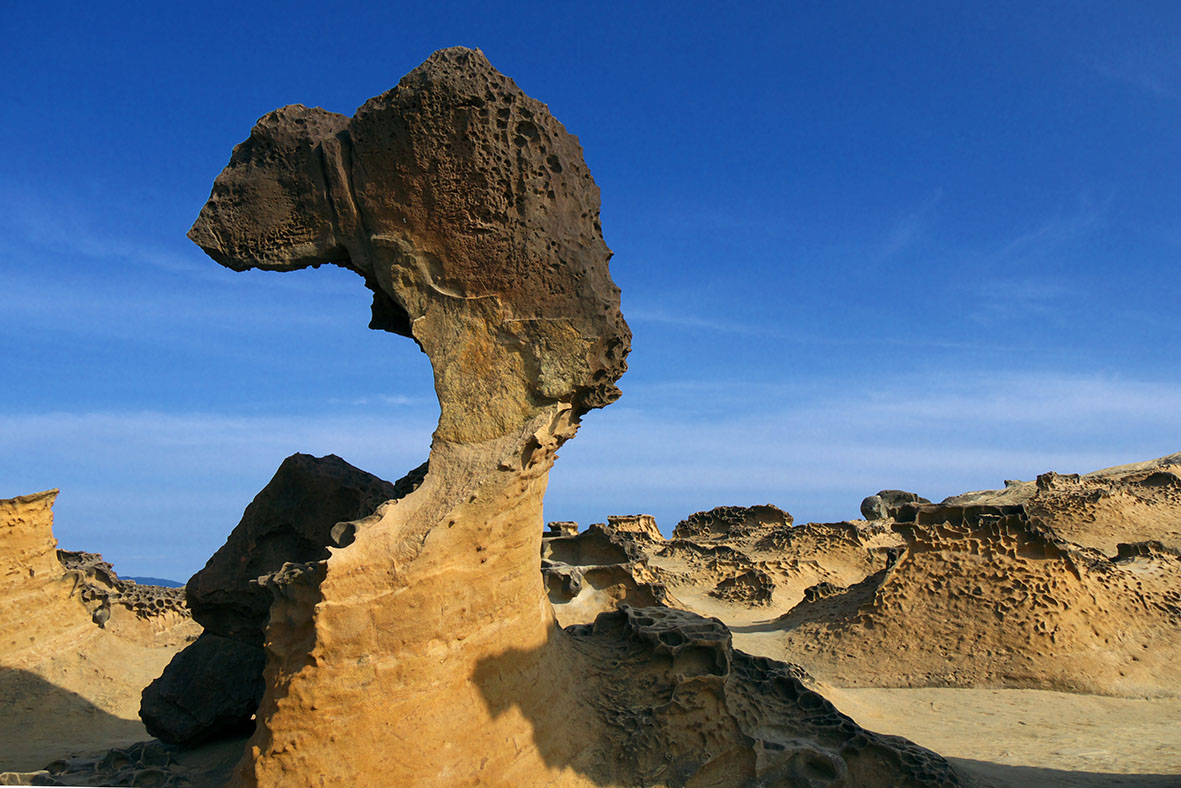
(861, 245)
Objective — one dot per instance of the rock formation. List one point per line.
(213, 687)
(596, 571)
(747, 564)
(33, 583)
(1128, 503)
(886, 503)
(152, 615)
(65, 680)
(1069, 583)
(423, 650)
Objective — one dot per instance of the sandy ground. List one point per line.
(74, 699)
(1004, 738)
(1032, 738)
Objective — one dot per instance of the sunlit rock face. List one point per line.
(34, 587)
(423, 650)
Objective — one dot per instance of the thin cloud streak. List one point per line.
(130, 479)
(908, 230)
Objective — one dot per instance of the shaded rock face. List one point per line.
(423, 649)
(290, 521)
(887, 502)
(209, 690)
(212, 688)
(67, 680)
(741, 721)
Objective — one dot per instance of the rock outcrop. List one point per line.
(66, 681)
(740, 720)
(212, 688)
(597, 570)
(423, 650)
(1010, 588)
(1140, 502)
(746, 564)
(886, 502)
(151, 614)
(34, 585)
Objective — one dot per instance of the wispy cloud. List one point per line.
(1138, 73)
(168, 486)
(1004, 298)
(908, 229)
(393, 400)
(1051, 234)
(818, 448)
(1029, 273)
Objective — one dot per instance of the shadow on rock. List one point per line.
(657, 696)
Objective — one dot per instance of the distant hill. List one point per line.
(155, 581)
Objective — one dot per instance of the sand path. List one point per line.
(1031, 738)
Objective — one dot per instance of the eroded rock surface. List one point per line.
(424, 651)
(746, 564)
(1040, 585)
(1140, 502)
(153, 615)
(34, 586)
(740, 720)
(594, 571)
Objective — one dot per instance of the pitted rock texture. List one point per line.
(154, 615)
(747, 564)
(986, 593)
(731, 523)
(1140, 502)
(683, 707)
(470, 213)
(743, 564)
(212, 688)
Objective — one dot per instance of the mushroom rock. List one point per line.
(423, 650)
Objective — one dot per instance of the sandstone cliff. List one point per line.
(66, 682)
